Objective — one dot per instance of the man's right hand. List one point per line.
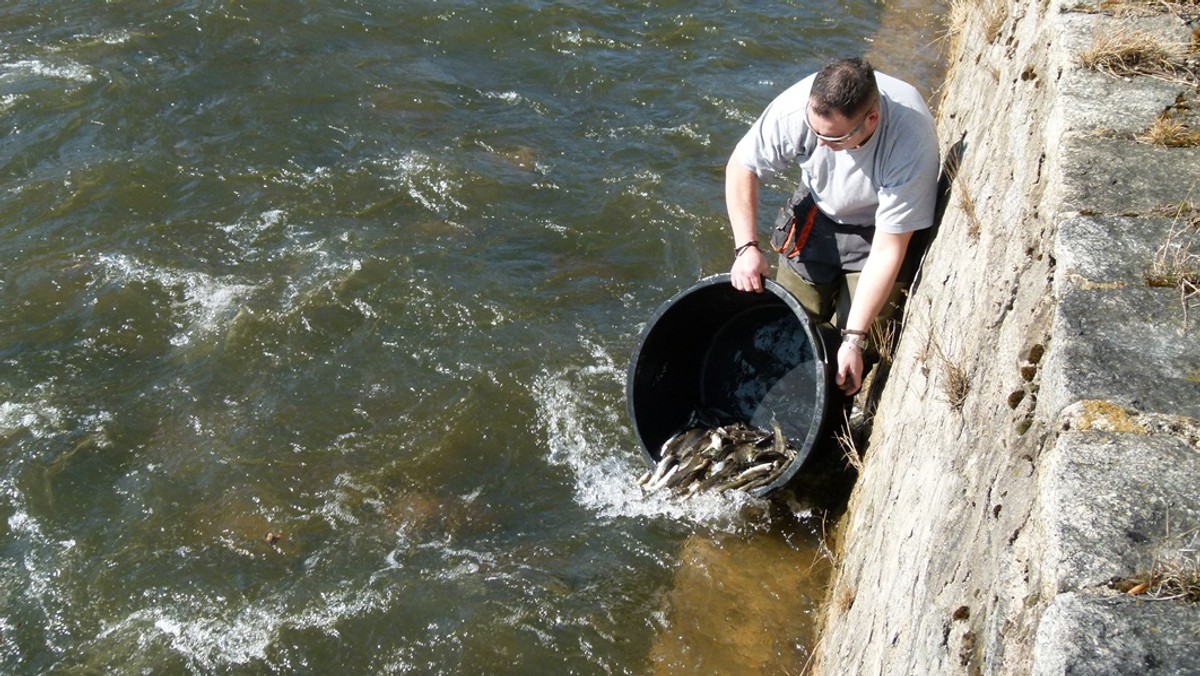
(748, 270)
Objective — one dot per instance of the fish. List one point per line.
(746, 476)
(713, 453)
(654, 486)
(661, 469)
(684, 439)
(689, 469)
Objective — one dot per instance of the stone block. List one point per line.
(1119, 176)
(1110, 501)
(1086, 102)
(1127, 345)
(1100, 251)
(1088, 636)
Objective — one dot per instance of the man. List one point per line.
(868, 154)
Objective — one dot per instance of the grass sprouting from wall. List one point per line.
(1176, 263)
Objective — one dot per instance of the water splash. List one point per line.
(38, 419)
(580, 410)
(247, 233)
(38, 577)
(516, 99)
(430, 183)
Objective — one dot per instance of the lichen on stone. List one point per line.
(1102, 416)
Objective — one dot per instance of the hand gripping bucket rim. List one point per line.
(754, 356)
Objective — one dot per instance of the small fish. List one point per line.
(707, 456)
(780, 440)
(682, 440)
(655, 485)
(756, 471)
(688, 470)
(664, 464)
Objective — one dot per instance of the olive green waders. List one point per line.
(830, 304)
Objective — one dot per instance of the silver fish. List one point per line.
(664, 464)
(655, 485)
(728, 456)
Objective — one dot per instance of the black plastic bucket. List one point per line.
(754, 357)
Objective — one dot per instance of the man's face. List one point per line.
(838, 132)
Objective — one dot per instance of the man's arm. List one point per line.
(741, 201)
(875, 284)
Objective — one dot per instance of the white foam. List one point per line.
(69, 71)
(39, 419)
(41, 568)
(514, 99)
(207, 302)
(426, 181)
(8, 100)
(578, 38)
(581, 410)
(507, 97)
(328, 272)
(117, 37)
(249, 230)
(210, 640)
(84, 40)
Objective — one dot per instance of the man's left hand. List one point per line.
(850, 369)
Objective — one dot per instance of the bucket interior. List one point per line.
(745, 357)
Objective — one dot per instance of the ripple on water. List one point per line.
(205, 301)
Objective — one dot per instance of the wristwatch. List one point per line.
(856, 339)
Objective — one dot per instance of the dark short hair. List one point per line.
(844, 86)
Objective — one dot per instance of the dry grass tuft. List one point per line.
(993, 14)
(845, 598)
(1169, 132)
(1130, 8)
(1174, 573)
(1177, 262)
(954, 381)
(1123, 52)
(955, 384)
(989, 15)
(884, 336)
(966, 202)
(845, 439)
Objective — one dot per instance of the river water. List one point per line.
(314, 322)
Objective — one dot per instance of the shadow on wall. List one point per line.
(911, 270)
(923, 238)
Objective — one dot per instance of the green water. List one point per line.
(314, 322)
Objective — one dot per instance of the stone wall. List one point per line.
(1036, 440)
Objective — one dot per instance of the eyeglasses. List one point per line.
(844, 137)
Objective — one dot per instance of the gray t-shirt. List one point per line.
(890, 182)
